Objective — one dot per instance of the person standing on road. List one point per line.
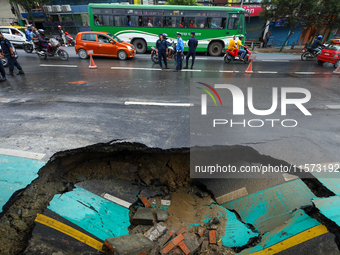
(2, 69)
(179, 52)
(161, 47)
(7, 49)
(268, 34)
(192, 43)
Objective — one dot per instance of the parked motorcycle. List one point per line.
(70, 41)
(230, 56)
(309, 53)
(55, 50)
(172, 55)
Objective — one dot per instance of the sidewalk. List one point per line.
(286, 50)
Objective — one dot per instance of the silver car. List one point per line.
(14, 35)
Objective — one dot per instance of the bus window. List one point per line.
(240, 30)
(201, 22)
(233, 21)
(121, 21)
(215, 23)
(134, 21)
(167, 21)
(103, 20)
(189, 22)
(148, 21)
(140, 21)
(158, 21)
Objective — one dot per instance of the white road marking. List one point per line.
(136, 68)
(116, 200)
(22, 154)
(157, 104)
(305, 72)
(188, 70)
(333, 107)
(59, 65)
(229, 71)
(267, 72)
(274, 60)
(201, 58)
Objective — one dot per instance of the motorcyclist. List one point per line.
(44, 40)
(232, 46)
(317, 43)
(35, 38)
(168, 50)
(241, 52)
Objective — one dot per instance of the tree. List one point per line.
(292, 13)
(181, 2)
(28, 5)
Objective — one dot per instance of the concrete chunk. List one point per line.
(129, 245)
(155, 232)
(232, 196)
(161, 215)
(143, 216)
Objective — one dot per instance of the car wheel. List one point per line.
(122, 55)
(140, 46)
(320, 63)
(337, 64)
(215, 49)
(82, 54)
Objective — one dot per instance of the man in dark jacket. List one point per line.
(7, 49)
(192, 43)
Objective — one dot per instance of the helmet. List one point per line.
(66, 33)
(29, 26)
(41, 30)
(319, 37)
(59, 26)
(165, 35)
(240, 36)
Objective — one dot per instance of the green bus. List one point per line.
(141, 24)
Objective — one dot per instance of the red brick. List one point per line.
(181, 231)
(177, 239)
(200, 231)
(212, 236)
(204, 245)
(145, 201)
(167, 248)
(184, 248)
(109, 246)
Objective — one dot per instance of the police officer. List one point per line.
(161, 47)
(7, 49)
(2, 69)
(179, 51)
(192, 43)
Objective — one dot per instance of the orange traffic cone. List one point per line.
(337, 71)
(250, 67)
(92, 64)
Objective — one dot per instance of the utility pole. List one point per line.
(242, 3)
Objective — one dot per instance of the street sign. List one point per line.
(90, 52)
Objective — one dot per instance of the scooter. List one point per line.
(56, 50)
(172, 55)
(309, 53)
(230, 56)
(70, 41)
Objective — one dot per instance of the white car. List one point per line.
(14, 35)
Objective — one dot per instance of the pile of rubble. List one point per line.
(150, 234)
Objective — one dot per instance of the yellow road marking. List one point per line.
(69, 231)
(294, 240)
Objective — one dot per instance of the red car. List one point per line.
(331, 54)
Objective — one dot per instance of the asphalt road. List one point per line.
(60, 105)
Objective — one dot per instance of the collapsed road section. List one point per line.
(126, 198)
